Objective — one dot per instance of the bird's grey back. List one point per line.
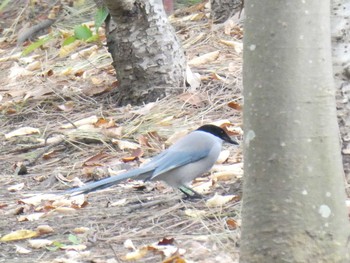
(187, 159)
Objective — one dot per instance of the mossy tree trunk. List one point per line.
(293, 194)
(147, 56)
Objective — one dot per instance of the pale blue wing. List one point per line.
(175, 159)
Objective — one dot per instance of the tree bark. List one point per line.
(341, 67)
(293, 194)
(221, 10)
(147, 56)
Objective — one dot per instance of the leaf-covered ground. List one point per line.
(60, 127)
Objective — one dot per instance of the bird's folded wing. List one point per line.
(175, 159)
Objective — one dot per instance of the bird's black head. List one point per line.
(218, 132)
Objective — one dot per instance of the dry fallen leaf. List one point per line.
(37, 199)
(190, 17)
(236, 169)
(237, 46)
(219, 200)
(234, 131)
(166, 121)
(88, 120)
(223, 156)
(231, 223)
(67, 71)
(197, 17)
(235, 105)
(113, 132)
(3, 205)
(37, 93)
(79, 247)
(195, 99)
(97, 81)
(193, 79)
(81, 230)
(145, 109)
(61, 203)
(105, 123)
(66, 50)
(17, 71)
(134, 155)
(224, 176)
(68, 106)
(15, 56)
(216, 76)
(125, 144)
(22, 131)
(100, 89)
(129, 244)
(164, 247)
(44, 229)
(84, 53)
(22, 250)
(96, 160)
(39, 243)
(18, 235)
(143, 141)
(203, 187)
(31, 217)
(15, 188)
(65, 210)
(174, 259)
(166, 241)
(78, 201)
(204, 59)
(50, 154)
(195, 213)
(51, 140)
(33, 66)
(137, 254)
(168, 250)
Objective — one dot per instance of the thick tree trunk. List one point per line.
(221, 10)
(293, 193)
(341, 67)
(147, 56)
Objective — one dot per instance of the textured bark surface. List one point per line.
(341, 67)
(293, 194)
(221, 10)
(147, 56)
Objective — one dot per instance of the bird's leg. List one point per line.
(189, 192)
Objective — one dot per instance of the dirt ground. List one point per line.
(145, 222)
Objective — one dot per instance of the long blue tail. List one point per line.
(139, 173)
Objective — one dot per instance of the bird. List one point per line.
(189, 157)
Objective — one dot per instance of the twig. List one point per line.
(44, 151)
(150, 204)
(115, 253)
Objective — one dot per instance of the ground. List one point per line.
(53, 87)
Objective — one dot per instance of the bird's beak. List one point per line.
(229, 140)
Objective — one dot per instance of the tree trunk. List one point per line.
(293, 194)
(221, 10)
(147, 56)
(341, 68)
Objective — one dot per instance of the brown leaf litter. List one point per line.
(72, 132)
